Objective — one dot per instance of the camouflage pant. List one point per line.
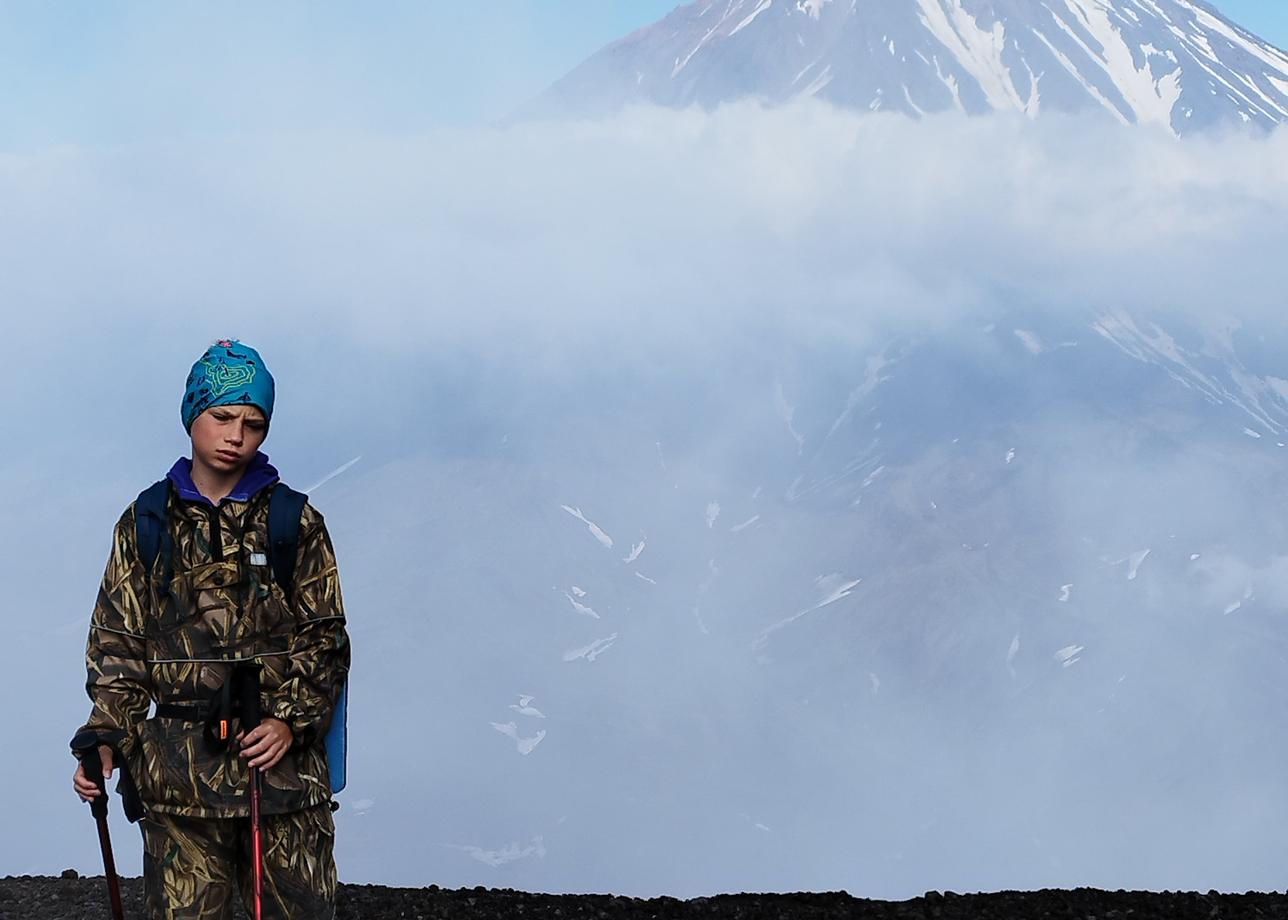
(192, 866)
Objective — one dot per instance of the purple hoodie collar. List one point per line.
(259, 474)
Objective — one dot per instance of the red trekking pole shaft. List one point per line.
(92, 763)
(257, 842)
(248, 699)
(109, 866)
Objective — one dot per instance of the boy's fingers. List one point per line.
(261, 739)
(255, 734)
(81, 781)
(256, 749)
(266, 745)
(269, 757)
(84, 788)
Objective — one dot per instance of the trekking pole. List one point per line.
(85, 746)
(248, 700)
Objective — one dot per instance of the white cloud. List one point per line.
(412, 292)
(638, 227)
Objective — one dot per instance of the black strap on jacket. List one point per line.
(237, 699)
(183, 712)
(153, 534)
(285, 507)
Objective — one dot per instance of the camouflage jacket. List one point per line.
(222, 607)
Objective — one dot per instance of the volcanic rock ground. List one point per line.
(38, 898)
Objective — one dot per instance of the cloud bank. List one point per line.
(639, 226)
(675, 323)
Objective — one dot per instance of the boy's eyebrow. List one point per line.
(223, 410)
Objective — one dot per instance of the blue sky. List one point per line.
(1267, 18)
(125, 72)
(82, 73)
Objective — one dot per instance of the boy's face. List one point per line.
(225, 438)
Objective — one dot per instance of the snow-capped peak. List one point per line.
(1175, 63)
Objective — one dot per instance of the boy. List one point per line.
(173, 637)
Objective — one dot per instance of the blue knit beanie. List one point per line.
(228, 374)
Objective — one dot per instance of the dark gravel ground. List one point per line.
(39, 898)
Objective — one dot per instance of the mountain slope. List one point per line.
(993, 607)
(1177, 63)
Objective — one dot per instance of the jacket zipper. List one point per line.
(243, 592)
(216, 538)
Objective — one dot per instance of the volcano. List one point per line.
(1179, 64)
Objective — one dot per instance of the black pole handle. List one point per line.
(85, 747)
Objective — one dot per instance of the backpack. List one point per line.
(285, 506)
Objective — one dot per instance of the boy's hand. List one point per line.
(84, 788)
(264, 746)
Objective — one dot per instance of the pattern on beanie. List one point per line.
(223, 377)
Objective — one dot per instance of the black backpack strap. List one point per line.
(152, 533)
(285, 506)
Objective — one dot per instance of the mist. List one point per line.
(757, 447)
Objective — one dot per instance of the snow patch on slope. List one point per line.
(833, 587)
(978, 49)
(524, 746)
(592, 651)
(1151, 98)
(595, 530)
(510, 853)
(1215, 372)
(764, 5)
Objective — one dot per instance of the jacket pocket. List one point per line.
(213, 577)
(165, 763)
